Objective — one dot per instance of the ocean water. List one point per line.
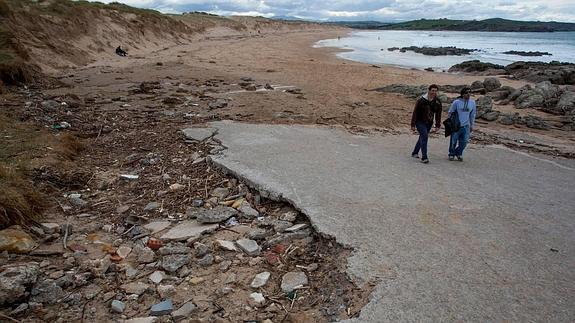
(371, 47)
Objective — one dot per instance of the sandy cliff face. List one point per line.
(57, 34)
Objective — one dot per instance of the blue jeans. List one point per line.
(423, 129)
(458, 141)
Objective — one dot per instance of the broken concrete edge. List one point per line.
(204, 126)
(278, 197)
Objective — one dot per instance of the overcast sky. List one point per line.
(380, 10)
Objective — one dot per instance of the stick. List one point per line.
(9, 318)
(66, 227)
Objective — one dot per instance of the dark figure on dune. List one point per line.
(121, 52)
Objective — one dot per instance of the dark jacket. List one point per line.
(425, 111)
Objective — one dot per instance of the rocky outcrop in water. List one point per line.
(435, 51)
(554, 72)
(475, 66)
(530, 53)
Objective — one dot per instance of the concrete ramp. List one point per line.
(488, 239)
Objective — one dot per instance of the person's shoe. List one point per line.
(459, 158)
(425, 161)
(415, 155)
(451, 158)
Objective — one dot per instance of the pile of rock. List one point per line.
(149, 266)
(554, 72)
(435, 51)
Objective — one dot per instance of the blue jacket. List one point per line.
(466, 111)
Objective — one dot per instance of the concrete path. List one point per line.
(490, 239)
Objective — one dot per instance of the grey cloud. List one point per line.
(368, 9)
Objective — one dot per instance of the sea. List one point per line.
(371, 47)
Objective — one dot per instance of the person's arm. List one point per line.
(414, 114)
(472, 117)
(438, 115)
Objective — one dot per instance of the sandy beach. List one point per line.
(334, 91)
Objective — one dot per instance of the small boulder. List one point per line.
(292, 280)
(261, 279)
(491, 83)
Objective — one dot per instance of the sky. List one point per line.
(378, 10)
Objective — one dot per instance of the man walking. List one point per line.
(466, 111)
(426, 109)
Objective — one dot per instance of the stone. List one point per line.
(225, 265)
(131, 272)
(220, 192)
(206, 261)
(157, 226)
(196, 280)
(248, 211)
(200, 249)
(491, 116)
(259, 233)
(230, 279)
(199, 134)
(250, 247)
(156, 277)
(566, 103)
(15, 281)
(118, 306)
(184, 311)
(20, 309)
(491, 83)
(177, 187)
(218, 104)
(78, 202)
(476, 85)
(187, 230)
(152, 206)
(484, 104)
(123, 251)
(50, 227)
(257, 299)
(92, 291)
(172, 263)
(292, 280)
(129, 177)
(47, 292)
(281, 226)
(290, 216)
(507, 120)
(198, 203)
(226, 245)
(215, 215)
(296, 227)
(122, 209)
(145, 255)
(261, 279)
(287, 237)
(166, 290)
(137, 288)
(149, 319)
(14, 240)
(174, 250)
(162, 308)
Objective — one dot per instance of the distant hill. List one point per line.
(359, 24)
(494, 24)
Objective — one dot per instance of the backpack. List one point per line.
(452, 124)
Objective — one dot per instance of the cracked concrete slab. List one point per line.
(489, 239)
(199, 134)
